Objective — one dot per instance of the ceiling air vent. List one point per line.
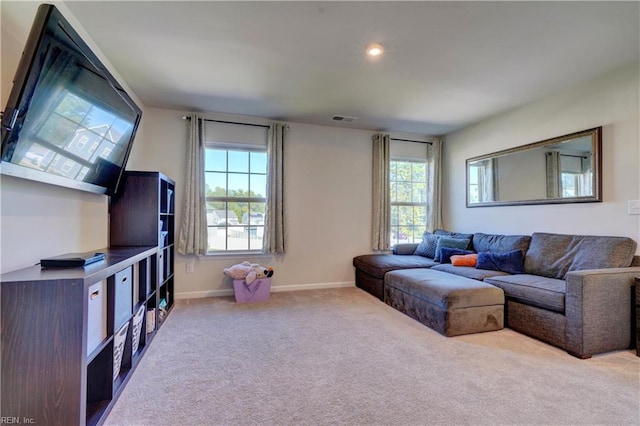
(343, 118)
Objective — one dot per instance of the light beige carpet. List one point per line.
(329, 357)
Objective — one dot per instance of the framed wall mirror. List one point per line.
(565, 169)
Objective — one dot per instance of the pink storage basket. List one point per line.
(257, 291)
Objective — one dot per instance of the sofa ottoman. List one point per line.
(451, 305)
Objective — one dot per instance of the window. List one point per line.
(476, 172)
(66, 142)
(236, 186)
(408, 186)
(569, 174)
(482, 181)
(575, 175)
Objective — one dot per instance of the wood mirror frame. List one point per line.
(565, 169)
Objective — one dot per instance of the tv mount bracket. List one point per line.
(8, 121)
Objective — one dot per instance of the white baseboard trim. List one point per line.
(274, 289)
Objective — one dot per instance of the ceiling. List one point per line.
(446, 64)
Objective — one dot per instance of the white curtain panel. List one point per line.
(490, 180)
(193, 225)
(434, 185)
(381, 209)
(554, 184)
(275, 232)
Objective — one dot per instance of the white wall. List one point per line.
(611, 102)
(328, 202)
(40, 220)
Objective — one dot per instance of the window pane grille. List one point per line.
(408, 187)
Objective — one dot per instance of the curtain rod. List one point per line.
(568, 155)
(184, 117)
(409, 140)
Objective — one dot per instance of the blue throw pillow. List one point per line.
(447, 252)
(511, 262)
(449, 242)
(427, 247)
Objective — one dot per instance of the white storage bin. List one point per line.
(137, 328)
(97, 315)
(124, 296)
(119, 341)
(169, 200)
(151, 320)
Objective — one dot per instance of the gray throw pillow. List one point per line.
(427, 248)
(459, 235)
(459, 243)
(497, 243)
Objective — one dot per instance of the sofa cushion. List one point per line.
(379, 264)
(427, 247)
(450, 242)
(444, 290)
(496, 243)
(553, 255)
(464, 271)
(458, 235)
(511, 262)
(534, 290)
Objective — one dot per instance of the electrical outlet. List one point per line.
(633, 207)
(189, 267)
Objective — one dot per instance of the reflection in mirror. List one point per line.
(565, 169)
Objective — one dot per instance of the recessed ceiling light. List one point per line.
(375, 50)
(343, 118)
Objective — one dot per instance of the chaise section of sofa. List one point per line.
(371, 268)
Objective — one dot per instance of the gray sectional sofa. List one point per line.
(573, 291)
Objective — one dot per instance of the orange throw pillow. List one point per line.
(465, 259)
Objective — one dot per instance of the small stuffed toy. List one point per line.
(239, 271)
(248, 271)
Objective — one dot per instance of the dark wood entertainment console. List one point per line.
(72, 337)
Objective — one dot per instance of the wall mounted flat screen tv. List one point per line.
(67, 120)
